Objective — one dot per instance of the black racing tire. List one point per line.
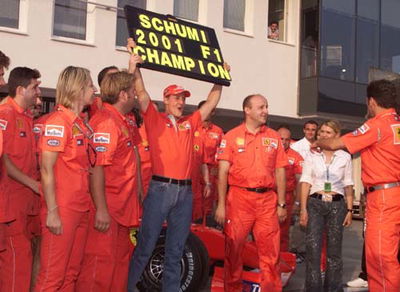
(194, 263)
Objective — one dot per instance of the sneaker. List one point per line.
(357, 283)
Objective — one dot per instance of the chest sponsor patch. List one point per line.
(101, 138)
(270, 142)
(101, 149)
(396, 133)
(291, 161)
(223, 143)
(213, 135)
(54, 131)
(184, 126)
(3, 124)
(53, 142)
(76, 131)
(196, 134)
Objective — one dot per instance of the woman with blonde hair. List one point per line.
(326, 207)
(66, 157)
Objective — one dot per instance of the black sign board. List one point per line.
(175, 46)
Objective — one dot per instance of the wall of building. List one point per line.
(259, 65)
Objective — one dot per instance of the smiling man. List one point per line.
(21, 184)
(169, 196)
(252, 162)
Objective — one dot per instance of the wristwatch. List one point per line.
(283, 206)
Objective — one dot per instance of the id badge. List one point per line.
(327, 187)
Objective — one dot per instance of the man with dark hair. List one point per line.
(169, 198)
(293, 172)
(97, 102)
(303, 145)
(273, 30)
(378, 140)
(251, 161)
(114, 187)
(207, 138)
(21, 184)
(4, 63)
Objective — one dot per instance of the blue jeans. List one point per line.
(169, 202)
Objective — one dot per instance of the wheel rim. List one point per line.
(156, 265)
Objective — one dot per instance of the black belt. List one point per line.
(336, 197)
(181, 182)
(382, 187)
(258, 190)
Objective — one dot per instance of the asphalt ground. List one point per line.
(351, 253)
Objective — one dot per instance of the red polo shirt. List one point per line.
(253, 158)
(65, 133)
(171, 146)
(294, 167)
(378, 141)
(211, 136)
(114, 139)
(19, 145)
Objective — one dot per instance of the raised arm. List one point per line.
(134, 60)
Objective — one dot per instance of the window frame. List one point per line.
(22, 20)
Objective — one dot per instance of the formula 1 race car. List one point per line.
(203, 257)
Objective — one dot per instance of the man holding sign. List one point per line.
(170, 194)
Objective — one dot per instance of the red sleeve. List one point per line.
(7, 124)
(1, 143)
(364, 136)
(105, 139)
(151, 116)
(298, 163)
(225, 149)
(281, 157)
(56, 133)
(195, 119)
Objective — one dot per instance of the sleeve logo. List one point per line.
(101, 138)
(363, 129)
(396, 133)
(3, 124)
(223, 143)
(54, 131)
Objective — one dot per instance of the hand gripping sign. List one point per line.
(172, 45)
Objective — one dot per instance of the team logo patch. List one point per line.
(125, 131)
(37, 128)
(76, 131)
(20, 124)
(213, 135)
(53, 142)
(396, 133)
(363, 129)
(54, 131)
(223, 143)
(240, 141)
(3, 124)
(196, 147)
(101, 149)
(270, 142)
(22, 134)
(101, 138)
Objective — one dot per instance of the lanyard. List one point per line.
(88, 134)
(328, 166)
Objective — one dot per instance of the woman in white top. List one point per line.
(325, 181)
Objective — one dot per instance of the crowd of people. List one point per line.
(75, 181)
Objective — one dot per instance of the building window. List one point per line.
(70, 19)
(122, 29)
(276, 20)
(188, 9)
(9, 13)
(234, 13)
